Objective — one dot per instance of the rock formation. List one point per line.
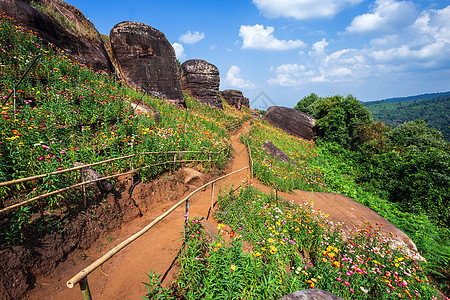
(201, 80)
(292, 121)
(147, 60)
(276, 152)
(311, 294)
(82, 39)
(235, 98)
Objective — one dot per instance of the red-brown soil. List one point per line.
(122, 276)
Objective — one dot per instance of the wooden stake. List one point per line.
(186, 216)
(83, 188)
(212, 196)
(84, 287)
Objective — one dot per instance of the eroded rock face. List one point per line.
(85, 44)
(147, 60)
(276, 152)
(201, 79)
(292, 121)
(235, 98)
(311, 294)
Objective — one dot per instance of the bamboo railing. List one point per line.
(84, 183)
(81, 277)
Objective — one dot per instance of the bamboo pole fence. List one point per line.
(21, 180)
(82, 275)
(250, 157)
(84, 183)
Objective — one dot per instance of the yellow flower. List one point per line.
(219, 245)
(233, 267)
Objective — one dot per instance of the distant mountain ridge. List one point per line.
(409, 98)
(434, 109)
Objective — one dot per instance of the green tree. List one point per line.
(308, 104)
(339, 118)
(417, 133)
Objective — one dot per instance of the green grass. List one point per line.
(79, 115)
(329, 168)
(292, 249)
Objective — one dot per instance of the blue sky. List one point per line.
(288, 49)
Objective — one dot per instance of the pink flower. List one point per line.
(351, 290)
(197, 258)
(339, 279)
(347, 283)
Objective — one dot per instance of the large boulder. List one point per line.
(235, 98)
(274, 151)
(292, 121)
(201, 80)
(76, 33)
(147, 60)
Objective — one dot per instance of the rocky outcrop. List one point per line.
(75, 33)
(147, 60)
(201, 80)
(274, 151)
(311, 294)
(235, 98)
(292, 121)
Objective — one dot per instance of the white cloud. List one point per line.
(179, 51)
(318, 48)
(192, 38)
(258, 37)
(424, 45)
(302, 9)
(388, 15)
(234, 79)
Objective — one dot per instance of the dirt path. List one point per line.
(122, 276)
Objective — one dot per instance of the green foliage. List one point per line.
(417, 133)
(64, 112)
(154, 287)
(308, 104)
(18, 226)
(338, 118)
(434, 112)
(292, 249)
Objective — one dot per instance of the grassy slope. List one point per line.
(327, 169)
(66, 113)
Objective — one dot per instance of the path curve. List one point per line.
(122, 276)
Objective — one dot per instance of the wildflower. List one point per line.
(218, 245)
(233, 267)
(232, 234)
(339, 279)
(363, 290)
(351, 290)
(197, 258)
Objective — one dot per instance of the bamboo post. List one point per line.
(84, 287)
(174, 161)
(83, 188)
(186, 215)
(212, 195)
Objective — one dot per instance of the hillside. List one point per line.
(433, 109)
(65, 113)
(409, 98)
